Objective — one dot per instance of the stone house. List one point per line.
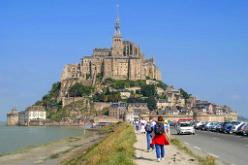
(204, 106)
(160, 91)
(125, 94)
(118, 110)
(21, 118)
(135, 110)
(162, 104)
(35, 113)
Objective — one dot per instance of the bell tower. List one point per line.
(117, 44)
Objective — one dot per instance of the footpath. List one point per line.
(173, 155)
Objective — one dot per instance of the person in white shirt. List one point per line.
(142, 125)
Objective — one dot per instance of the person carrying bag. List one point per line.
(160, 139)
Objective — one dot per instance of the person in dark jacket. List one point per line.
(149, 130)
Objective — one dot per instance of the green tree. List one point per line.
(50, 100)
(79, 90)
(184, 93)
(162, 85)
(149, 90)
(54, 92)
(151, 103)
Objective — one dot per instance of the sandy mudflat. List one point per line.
(52, 153)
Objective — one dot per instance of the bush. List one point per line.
(79, 90)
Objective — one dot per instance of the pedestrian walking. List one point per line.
(160, 139)
(149, 130)
(142, 126)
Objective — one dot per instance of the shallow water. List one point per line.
(13, 138)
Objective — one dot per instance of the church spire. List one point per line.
(117, 44)
(117, 24)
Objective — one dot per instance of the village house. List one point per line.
(135, 110)
(162, 104)
(21, 118)
(204, 106)
(35, 115)
(118, 110)
(160, 91)
(125, 94)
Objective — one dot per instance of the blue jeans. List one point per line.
(148, 140)
(159, 150)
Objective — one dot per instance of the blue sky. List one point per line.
(200, 46)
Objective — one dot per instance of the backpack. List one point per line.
(159, 129)
(148, 128)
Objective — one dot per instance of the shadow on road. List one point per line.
(143, 158)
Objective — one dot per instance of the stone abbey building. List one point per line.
(123, 61)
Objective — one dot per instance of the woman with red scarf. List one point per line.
(160, 138)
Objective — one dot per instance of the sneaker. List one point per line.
(162, 159)
(158, 159)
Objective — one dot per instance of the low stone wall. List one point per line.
(68, 100)
(169, 117)
(198, 117)
(217, 118)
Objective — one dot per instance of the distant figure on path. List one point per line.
(149, 130)
(160, 138)
(142, 126)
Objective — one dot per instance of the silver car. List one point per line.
(185, 128)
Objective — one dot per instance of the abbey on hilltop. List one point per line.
(123, 61)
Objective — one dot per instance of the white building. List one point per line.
(35, 113)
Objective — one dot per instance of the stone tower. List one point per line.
(12, 117)
(117, 44)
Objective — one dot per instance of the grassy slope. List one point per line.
(116, 148)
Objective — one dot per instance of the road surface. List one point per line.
(230, 149)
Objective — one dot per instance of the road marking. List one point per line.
(211, 154)
(198, 148)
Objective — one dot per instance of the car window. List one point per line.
(185, 125)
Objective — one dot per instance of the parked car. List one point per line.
(245, 130)
(223, 126)
(240, 129)
(219, 127)
(228, 128)
(236, 125)
(185, 128)
(207, 126)
(199, 124)
(213, 126)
